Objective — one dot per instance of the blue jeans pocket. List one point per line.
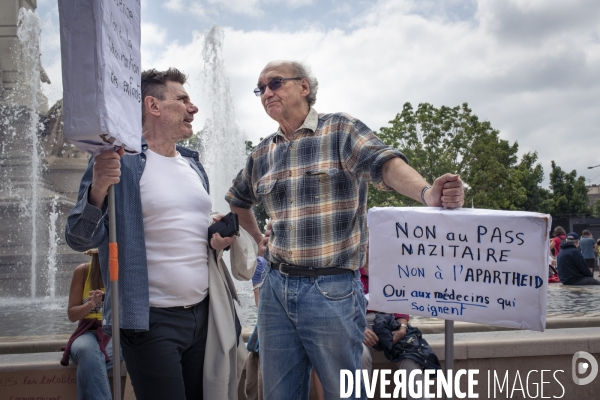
(335, 287)
(264, 274)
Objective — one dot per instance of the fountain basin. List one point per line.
(488, 348)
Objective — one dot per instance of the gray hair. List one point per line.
(302, 70)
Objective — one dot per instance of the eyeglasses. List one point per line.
(274, 84)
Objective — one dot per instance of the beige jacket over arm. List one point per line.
(223, 359)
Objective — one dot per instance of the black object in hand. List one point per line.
(226, 226)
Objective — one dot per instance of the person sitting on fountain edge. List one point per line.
(88, 346)
(572, 268)
(312, 177)
(169, 328)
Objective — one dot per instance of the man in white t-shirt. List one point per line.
(163, 213)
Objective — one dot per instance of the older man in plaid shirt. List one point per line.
(312, 177)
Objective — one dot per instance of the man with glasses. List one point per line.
(312, 177)
(169, 327)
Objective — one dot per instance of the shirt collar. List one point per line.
(310, 123)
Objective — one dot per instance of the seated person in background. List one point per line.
(597, 256)
(586, 245)
(572, 268)
(552, 271)
(88, 347)
(371, 338)
(559, 235)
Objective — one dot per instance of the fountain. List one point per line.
(35, 194)
(221, 143)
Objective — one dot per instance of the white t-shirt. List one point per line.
(176, 211)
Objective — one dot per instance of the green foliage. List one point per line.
(596, 209)
(531, 176)
(569, 193)
(249, 147)
(261, 216)
(194, 142)
(437, 141)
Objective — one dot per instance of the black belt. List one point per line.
(309, 272)
(188, 306)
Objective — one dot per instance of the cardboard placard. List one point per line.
(55, 384)
(484, 266)
(101, 69)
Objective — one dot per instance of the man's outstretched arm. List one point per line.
(446, 191)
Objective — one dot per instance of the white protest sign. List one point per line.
(101, 68)
(483, 266)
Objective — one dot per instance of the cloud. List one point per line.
(536, 21)
(296, 3)
(174, 5)
(184, 7)
(154, 38)
(542, 93)
(252, 8)
(529, 67)
(153, 34)
(50, 49)
(214, 7)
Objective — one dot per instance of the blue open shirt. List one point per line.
(87, 228)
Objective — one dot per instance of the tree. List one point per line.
(193, 142)
(437, 141)
(569, 193)
(531, 176)
(596, 209)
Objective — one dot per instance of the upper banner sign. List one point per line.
(483, 266)
(101, 69)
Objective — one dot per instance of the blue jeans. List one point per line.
(92, 380)
(309, 322)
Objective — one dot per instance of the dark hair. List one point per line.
(154, 83)
(94, 272)
(586, 233)
(559, 230)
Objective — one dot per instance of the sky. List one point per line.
(530, 67)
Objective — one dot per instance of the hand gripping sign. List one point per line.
(474, 265)
(101, 71)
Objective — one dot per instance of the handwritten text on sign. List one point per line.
(473, 265)
(121, 27)
(101, 68)
(121, 52)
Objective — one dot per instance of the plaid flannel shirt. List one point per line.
(314, 189)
